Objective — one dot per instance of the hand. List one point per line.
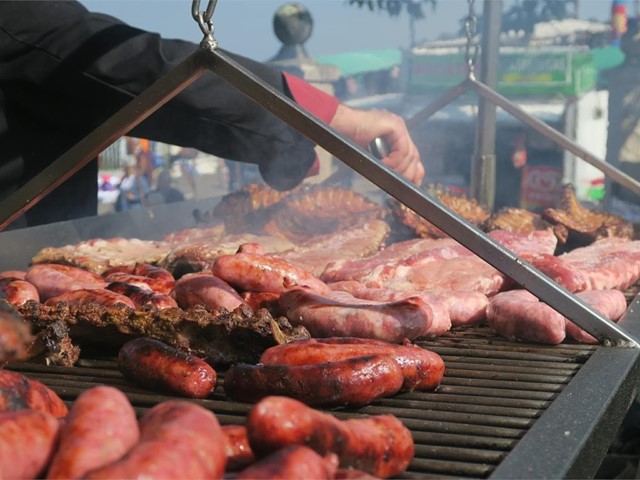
(363, 126)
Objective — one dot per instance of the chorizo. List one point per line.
(260, 273)
(101, 428)
(51, 279)
(421, 368)
(352, 381)
(17, 292)
(294, 462)
(27, 442)
(155, 365)
(18, 392)
(237, 448)
(379, 445)
(141, 297)
(207, 290)
(102, 297)
(178, 439)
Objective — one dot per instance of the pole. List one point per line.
(483, 165)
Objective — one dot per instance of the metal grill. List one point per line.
(492, 394)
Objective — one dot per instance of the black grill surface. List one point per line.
(493, 391)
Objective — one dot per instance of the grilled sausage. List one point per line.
(164, 278)
(18, 392)
(19, 274)
(27, 442)
(422, 369)
(52, 279)
(155, 365)
(17, 292)
(103, 297)
(207, 290)
(380, 445)
(178, 439)
(237, 448)
(100, 429)
(260, 273)
(141, 297)
(294, 462)
(352, 381)
(609, 303)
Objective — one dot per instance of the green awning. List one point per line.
(356, 63)
(607, 57)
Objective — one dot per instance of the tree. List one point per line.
(395, 7)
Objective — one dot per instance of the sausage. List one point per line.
(51, 279)
(178, 439)
(163, 277)
(18, 392)
(19, 274)
(207, 290)
(148, 283)
(141, 297)
(352, 381)
(421, 368)
(17, 292)
(27, 442)
(609, 303)
(237, 448)
(100, 429)
(294, 462)
(379, 445)
(155, 365)
(260, 273)
(258, 300)
(340, 314)
(102, 297)
(15, 335)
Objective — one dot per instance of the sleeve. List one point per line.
(73, 69)
(312, 99)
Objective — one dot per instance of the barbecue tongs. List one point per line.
(209, 58)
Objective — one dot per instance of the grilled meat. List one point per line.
(220, 337)
(314, 211)
(415, 225)
(519, 220)
(586, 225)
(15, 335)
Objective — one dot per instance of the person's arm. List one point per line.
(362, 126)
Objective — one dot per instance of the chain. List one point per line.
(470, 30)
(203, 18)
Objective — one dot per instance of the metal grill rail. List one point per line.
(492, 393)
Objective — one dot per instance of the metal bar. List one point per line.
(438, 104)
(555, 136)
(571, 438)
(483, 164)
(132, 114)
(395, 185)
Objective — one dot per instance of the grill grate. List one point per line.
(492, 393)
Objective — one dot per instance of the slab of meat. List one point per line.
(586, 225)
(462, 274)
(349, 243)
(219, 337)
(52, 279)
(538, 241)
(340, 314)
(519, 315)
(211, 233)
(385, 263)
(607, 264)
(100, 254)
(512, 219)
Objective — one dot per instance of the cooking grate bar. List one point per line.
(450, 467)
(493, 365)
(468, 441)
(459, 454)
(521, 356)
(447, 398)
(508, 376)
(409, 410)
(492, 392)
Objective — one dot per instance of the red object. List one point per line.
(541, 187)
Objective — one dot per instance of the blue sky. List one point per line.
(245, 26)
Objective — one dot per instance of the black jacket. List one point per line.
(65, 70)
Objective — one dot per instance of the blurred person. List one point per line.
(65, 70)
(134, 189)
(165, 191)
